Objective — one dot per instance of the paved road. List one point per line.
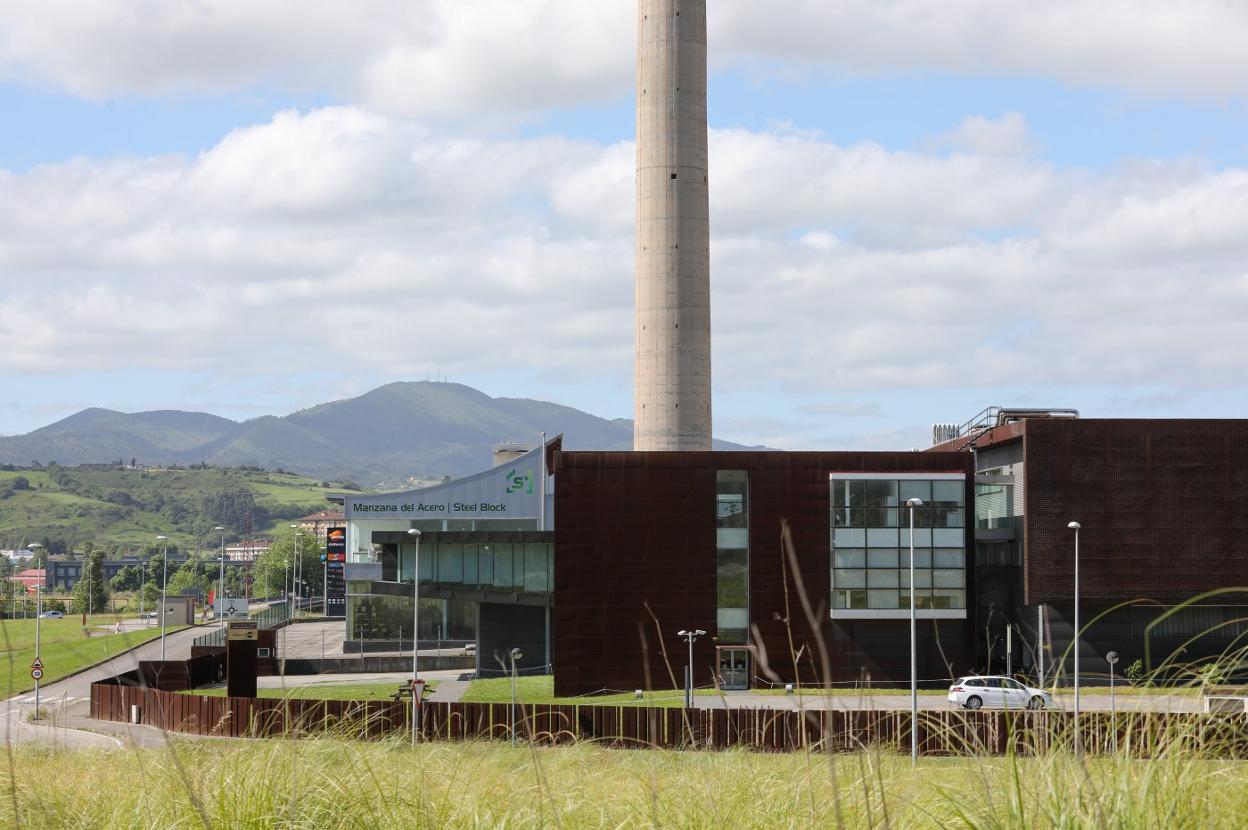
(1087, 702)
(65, 704)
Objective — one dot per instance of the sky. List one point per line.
(919, 209)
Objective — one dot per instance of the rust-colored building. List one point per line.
(648, 544)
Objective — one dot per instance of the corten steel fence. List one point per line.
(1141, 734)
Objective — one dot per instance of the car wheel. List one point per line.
(1036, 702)
(974, 702)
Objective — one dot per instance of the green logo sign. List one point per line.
(518, 482)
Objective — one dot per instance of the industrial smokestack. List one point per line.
(672, 375)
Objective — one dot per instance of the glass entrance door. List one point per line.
(734, 668)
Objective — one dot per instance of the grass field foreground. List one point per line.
(64, 650)
(336, 784)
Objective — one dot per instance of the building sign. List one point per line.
(335, 584)
(509, 491)
(242, 630)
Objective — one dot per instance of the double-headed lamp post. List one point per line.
(689, 636)
(414, 534)
(914, 651)
(164, 584)
(1076, 527)
(221, 587)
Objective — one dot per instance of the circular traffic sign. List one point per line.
(36, 674)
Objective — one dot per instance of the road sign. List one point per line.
(38, 664)
(36, 674)
(243, 630)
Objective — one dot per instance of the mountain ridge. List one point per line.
(385, 437)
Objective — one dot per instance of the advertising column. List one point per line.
(335, 584)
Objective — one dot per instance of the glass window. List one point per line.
(732, 577)
(922, 536)
(485, 559)
(922, 598)
(882, 598)
(949, 558)
(849, 517)
(849, 558)
(882, 579)
(880, 493)
(948, 598)
(881, 559)
(948, 579)
(947, 537)
(948, 493)
(882, 537)
(732, 537)
(503, 566)
(914, 490)
(947, 517)
(731, 582)
(450, 564)
(848, 493)
(881, 516)
(849, 579)
(470, 565)
(536, 576)
(848, 537)
(922, 578)
(849, 599)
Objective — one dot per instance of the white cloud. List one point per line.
(370, 241)
(1005, 136)
(498, 60)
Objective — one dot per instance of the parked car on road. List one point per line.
(997, 692)
(52, 615)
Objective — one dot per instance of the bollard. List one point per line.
(136, 713)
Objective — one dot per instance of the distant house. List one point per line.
(247, 551)
(31, 578)
(319, 523)
(18, 554)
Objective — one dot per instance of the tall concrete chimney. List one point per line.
(672, 375)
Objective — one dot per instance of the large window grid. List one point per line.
(871, 544)
(732, 555)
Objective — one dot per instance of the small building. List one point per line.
(31, 578)
(246, 551)
(319, 523)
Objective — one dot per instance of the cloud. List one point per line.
(378, 244)
(1005, 136)
(489, 61)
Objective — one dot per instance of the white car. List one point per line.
(997, 692)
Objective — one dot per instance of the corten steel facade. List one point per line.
(1163, 504)
(635, 562)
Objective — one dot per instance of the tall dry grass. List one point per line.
(331, 783)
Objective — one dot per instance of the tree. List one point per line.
(128, 578)
(186, 577)
(272, 568)
(90, 592)
(150, 596)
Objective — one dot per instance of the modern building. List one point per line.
(484, 554)
(247, 550)
(1163, 548)
(64, 571)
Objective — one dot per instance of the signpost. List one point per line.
(230, 608)
(241, 640)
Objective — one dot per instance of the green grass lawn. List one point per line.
(64, 648)
(322, 691)
(542, 690)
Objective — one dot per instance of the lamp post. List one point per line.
(1076, 527)
(1112, 658)
(415, 536)
(164, 584)
(38, 619)
(221, 587)
(689, 636)
(296, 569)
(914, 659)
(516, 654)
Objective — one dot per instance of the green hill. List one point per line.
(127, 508)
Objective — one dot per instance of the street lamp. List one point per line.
(914, 659)
(34, 546)
(516, 654)
(415, 535)
(1076, 527)
(1111, 658)
(164, 585)
(689, 636)
(296, 569)
(221, 588)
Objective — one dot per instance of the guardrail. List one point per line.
(944, 732)
(275, 616)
